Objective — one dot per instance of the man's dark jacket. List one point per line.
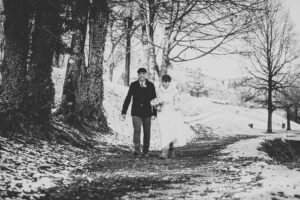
(141, 98)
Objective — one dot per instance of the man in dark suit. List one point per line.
(142, 92)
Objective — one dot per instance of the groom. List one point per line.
(142, 92)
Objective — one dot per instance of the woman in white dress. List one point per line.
(173, 131)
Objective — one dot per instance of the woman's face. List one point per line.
(165, 84)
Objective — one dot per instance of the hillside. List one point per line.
(210, 117)
(206, 116)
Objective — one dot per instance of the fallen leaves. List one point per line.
(28, 169)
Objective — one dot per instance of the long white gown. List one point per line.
(171, 124)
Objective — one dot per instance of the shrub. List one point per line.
(279, 150)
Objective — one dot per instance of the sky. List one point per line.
(227, 67)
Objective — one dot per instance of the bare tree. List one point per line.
(123, 23)
(296, 101)
(271, 51)
(191, 29)
(128, 25)
(115, 36)
(286, 100)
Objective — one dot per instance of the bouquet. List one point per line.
(156, 103)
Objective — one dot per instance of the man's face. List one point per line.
(142, 76)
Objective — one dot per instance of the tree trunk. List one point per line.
(296, 114)
(90, 98)
(145, 45)
(152, 58)
(83, 88)
(270, 107)
(166, 51)
(45, 39)
(288, 118)
(56, 60)
(13, 69)
(128, 29)
(1, 37)
(150, 37)
(76, 63)
(111, 71)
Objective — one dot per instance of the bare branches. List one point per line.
(271, 51)
(271, 48)
(195, 28)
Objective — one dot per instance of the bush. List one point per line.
(279, 150)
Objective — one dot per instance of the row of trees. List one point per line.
(175, 31)
(36, 31)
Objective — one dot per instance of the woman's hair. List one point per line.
(166, 78)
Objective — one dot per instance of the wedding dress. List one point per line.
(170, 121)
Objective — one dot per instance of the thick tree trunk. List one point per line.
(152, 59)
(83, 88)
(166, 51)
(288, 118)
(13, 69)
(90, 98)
(128, 29)
(45, 38)
(76, 62)
(1, 39)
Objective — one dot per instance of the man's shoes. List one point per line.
(136, 154)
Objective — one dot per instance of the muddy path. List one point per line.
(195, 173)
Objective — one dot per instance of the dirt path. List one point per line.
(197, 171)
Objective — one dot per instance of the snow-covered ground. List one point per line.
(26, 169)
(222, 120)
(274, 180)
(227, 120)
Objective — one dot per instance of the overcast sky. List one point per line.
(230, 66)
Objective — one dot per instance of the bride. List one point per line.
(173, 131)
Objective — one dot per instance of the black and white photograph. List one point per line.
(149, 99)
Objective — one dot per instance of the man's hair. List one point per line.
(141, 70)
(166, 78)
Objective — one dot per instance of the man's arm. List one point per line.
(127, 100)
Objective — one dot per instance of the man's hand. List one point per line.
(153, 117)
(123, 116)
